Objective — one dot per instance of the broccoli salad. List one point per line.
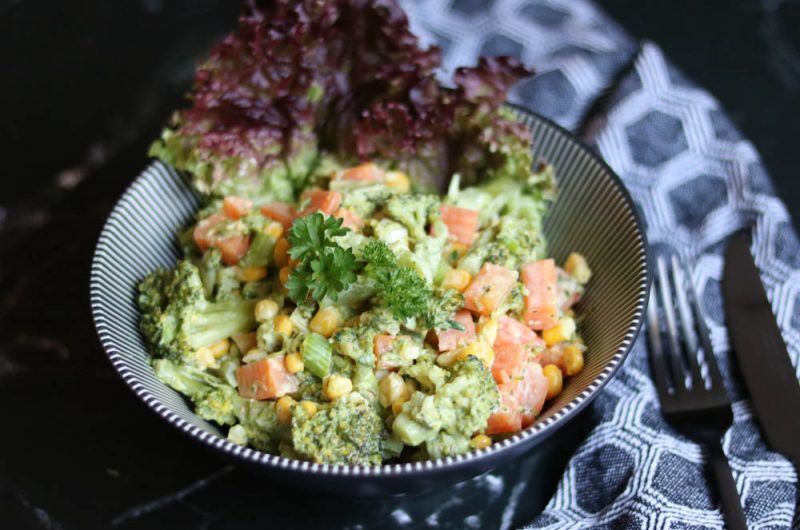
(330, 305)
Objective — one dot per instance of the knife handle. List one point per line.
(728, 496)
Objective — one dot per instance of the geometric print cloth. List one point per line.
(695, 181)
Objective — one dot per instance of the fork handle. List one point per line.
(729, 498)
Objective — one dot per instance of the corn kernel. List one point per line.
(562, 331)
(205, 357)
(577, 267)
(573, 360)
(487, 330)
(294, 363)
(411, 387)
(335, 386)
(266, 310)
(252, 274)
(283, 275)
(326, 321)
(555, 380)
(309, 406)
(391, 388)
(220, 348)
(480, 441)
(283, 324)
(274, 230)
(397, 406)
(283, 408)
(457, 279)
(479, 349)
(281, 252)
(398, 179)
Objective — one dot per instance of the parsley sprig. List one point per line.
(325, 268)
(401, 289)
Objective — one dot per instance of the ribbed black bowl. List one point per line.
(593, 215)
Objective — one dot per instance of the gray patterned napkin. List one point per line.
(696, 181)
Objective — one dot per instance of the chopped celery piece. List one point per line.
(317, 354)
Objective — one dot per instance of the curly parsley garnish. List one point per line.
(401, 289)
(325, 268)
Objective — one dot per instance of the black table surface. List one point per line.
(87, 85)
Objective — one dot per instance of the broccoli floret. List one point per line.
(218, 405)
(446, 444)
(350, 431)
(404, 352)
(309, 387)
(426, 372)
(366, 384)
(514, 302)
(214, 400)
(228, 285)
(260, 422)
(177, 318)
(457, 409)
(392, 234)
(190, 381)
(427, 255)
(415, 212)
(356, 343)
(209, 267)
(363, 200)
(439, 310)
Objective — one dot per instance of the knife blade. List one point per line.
(760, 351)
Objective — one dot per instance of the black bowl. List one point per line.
(593, 215)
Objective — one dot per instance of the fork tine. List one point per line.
(679, 280)
(678, 373)
(656, 351)
(715, 378)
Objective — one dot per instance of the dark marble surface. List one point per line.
(86, 85)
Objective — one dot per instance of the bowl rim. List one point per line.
(538, 430)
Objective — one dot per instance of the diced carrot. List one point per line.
(265, 379)
(323, 201)
(522, 391)
(532, 392)
(541, 303)
(349, 219)
(452, 338)
(367, 172)
(508, 362)
(233, 248)
(507, 418)
(280, 212)
(487, 291)
(383, 343)
(202, 232)
(236, 207)
(512, 331)
(462, 223)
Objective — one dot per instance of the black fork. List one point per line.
(694, 403)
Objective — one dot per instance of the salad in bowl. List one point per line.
(330, 304)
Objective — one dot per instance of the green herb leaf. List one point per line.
(325, 267)
(401, 289)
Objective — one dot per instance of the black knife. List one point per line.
(758, 346)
